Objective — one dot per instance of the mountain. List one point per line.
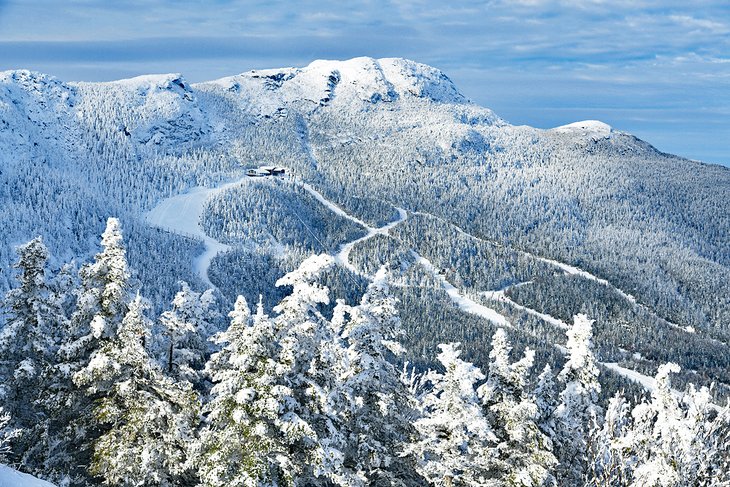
(531, 225)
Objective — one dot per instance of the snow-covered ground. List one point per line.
(13, 478)
(501, 296)
(181, 214)
(460, 300)
(588, 127)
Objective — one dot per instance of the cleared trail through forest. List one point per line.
(181, 214)
(462, 301)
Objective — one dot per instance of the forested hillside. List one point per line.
(97, 393)
(481, 225)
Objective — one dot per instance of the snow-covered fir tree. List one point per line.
(611, 455)
(148, 420)
(239, 444)
(524, 453)
(7, 435)
(101, 304)
(546, 399)
(28, 346)
(678, 441)
(456, 446)
(378, 410)
(186, 329)
(578, 411)
(310, 359)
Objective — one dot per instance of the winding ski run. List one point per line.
(182, 213)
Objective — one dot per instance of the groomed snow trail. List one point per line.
(501, 296)
(460, 300)
(181, 214)
(463, 302)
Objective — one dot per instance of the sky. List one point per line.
(657, 69)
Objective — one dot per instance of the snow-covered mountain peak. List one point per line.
(588, 127)
(150, 108)
(152, 82)
(351, 83)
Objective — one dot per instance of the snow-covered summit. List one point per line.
(361, 79)
(588, 127)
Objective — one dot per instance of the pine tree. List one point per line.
(239, 444)
(101, 304)
(147, 418)
(456, 444)
(524, 453)
(377, 403)
(578, 411)
(187, 326)
(27, 347)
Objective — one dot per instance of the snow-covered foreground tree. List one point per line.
(148, 418)
(456, 444)
(311, 396)
(27, 342)
(524, 453)
(578, 411)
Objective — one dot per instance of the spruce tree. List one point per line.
(186, 328)
(578, 411)
(239, 444)
(524, 453)
(310, 362)
(101, 304)
(377, 403)
(455, 445)
(27, 349)
(147, 419)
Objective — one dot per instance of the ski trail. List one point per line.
(463, 302)
(333, 207)
(343, 255)
(567, 269)
(181, 214)
(501, 296)
(460, 300)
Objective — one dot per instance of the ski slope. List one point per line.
(501, 296)
(181, 214)
(463, 302)
(12, 478)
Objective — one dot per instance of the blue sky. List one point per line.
(658, 69)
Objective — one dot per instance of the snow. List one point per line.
(463, 302)
(587, 127)
(333, 207)
(343, 256)
(572, 270)
(12, 478)
(181, 214)
(501, 296)
(644, 380)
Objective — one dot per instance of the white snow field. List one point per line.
(587, 127)
(12, 478)
(181, 214)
